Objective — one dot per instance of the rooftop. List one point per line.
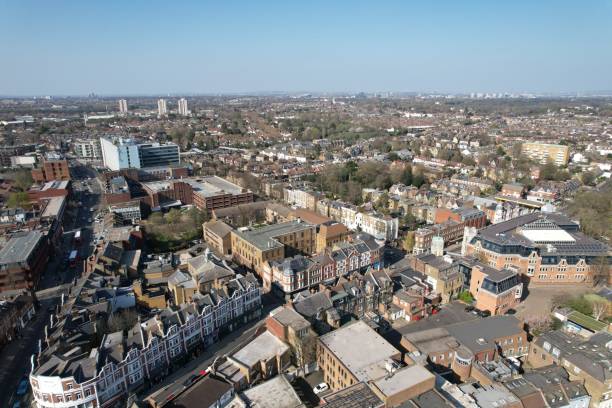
(361, 350)
(274, 393)
(206, 187)
(265, 347)
(404, 378)
(19, 247)
(264, 238)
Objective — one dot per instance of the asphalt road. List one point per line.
(15, 356)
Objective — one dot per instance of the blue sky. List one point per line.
(158, 47)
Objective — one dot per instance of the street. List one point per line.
(56, 279)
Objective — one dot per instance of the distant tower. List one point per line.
(182, 107)
(123, 107)
(437, 246)
(468, 234)
(162, 110)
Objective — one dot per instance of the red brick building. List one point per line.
(50, 170)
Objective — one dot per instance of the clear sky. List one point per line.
(157, 47)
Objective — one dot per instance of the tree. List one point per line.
(408, 243)
(418, 180)
(548, 171)
(23, 180)
(407, 176)
(382, 204)
(588, 178)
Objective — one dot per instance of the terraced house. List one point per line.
(69, 374)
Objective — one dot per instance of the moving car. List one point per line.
(22, 388)
(318, 389)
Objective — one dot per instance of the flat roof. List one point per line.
(19, 247)
(265, 237)
(209, 186)
(274, 393)
(404, 378)
(53, 207)
(265, 347)
(361, 350)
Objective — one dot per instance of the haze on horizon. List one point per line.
(129, 48)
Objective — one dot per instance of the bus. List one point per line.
(72, 260)
(77, 237)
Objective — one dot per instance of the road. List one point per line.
(15, 356)
(172, 385)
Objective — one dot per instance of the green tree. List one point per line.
(408, 243)
(407, 176)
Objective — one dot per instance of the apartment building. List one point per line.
(547, 248)
(301, 198)
(87, 149)
(124, 361)
(542, 152)
(51, 168)
(255, 247)
(585, 360)
(119, 153)
(22, 260)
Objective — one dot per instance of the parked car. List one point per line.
(484, 313)
(318, 389)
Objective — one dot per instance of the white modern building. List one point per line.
(88, 149)
(123, 107)
(119, 153)
(162, 109)
(182, 107)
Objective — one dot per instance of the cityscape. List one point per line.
(428, 239)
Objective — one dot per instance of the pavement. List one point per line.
(15, 357)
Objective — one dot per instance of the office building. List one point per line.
(254, 247)
(162, 109)
(548, 248)
(182, 107)
(542, 152)
(123, 107)
(119, 153)
(156, 154)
